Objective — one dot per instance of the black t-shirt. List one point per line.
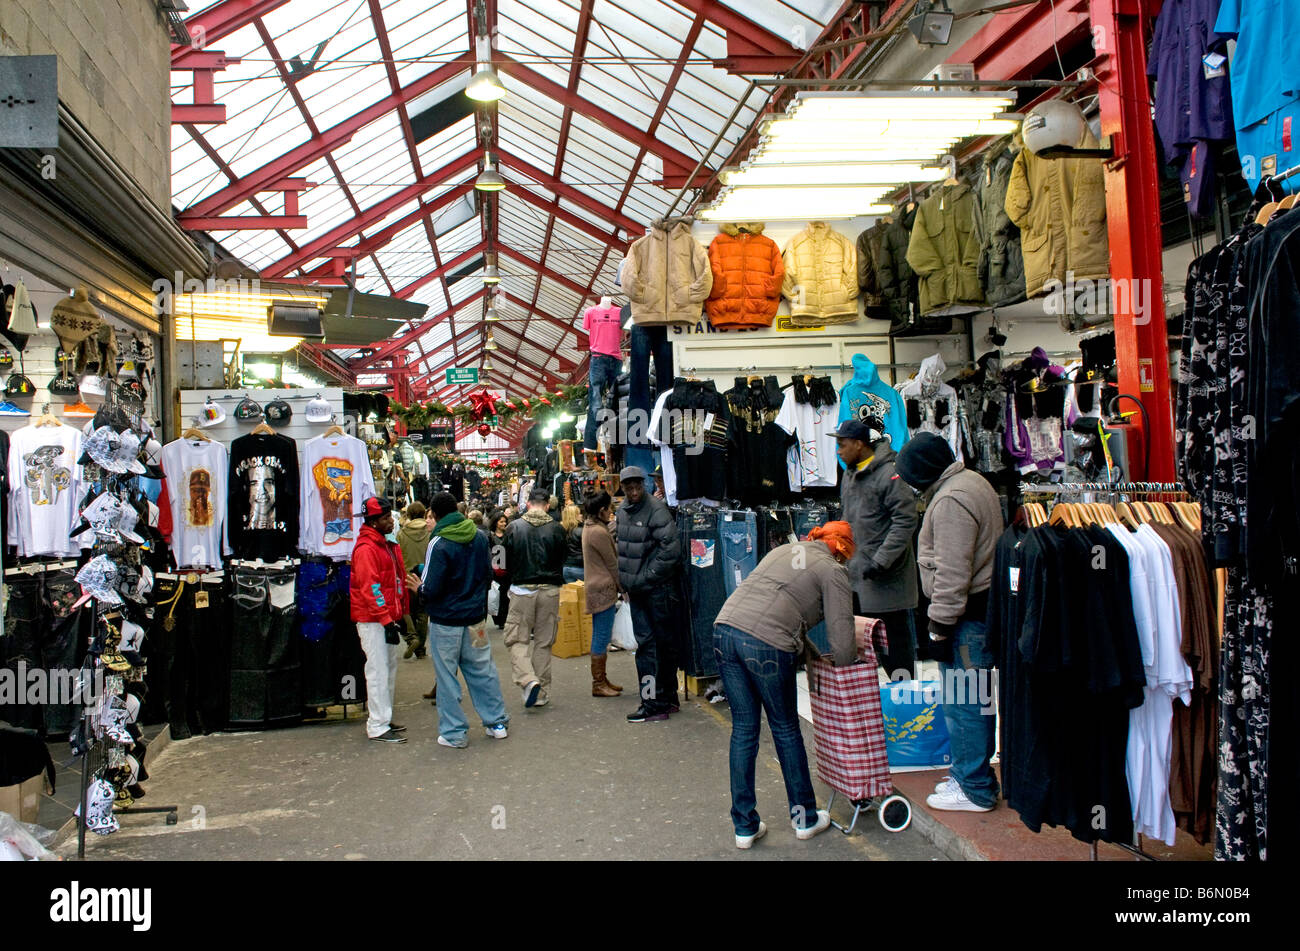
(263, 496)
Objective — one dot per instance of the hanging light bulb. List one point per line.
(487, 366)
(491, 275)
(491, 316)
(491, 344)
(489, 180)
(486, 85)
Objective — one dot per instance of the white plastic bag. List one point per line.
(623, 638)
(494, 599)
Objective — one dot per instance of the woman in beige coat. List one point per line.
(600, 570)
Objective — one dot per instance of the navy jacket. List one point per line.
(456, 577)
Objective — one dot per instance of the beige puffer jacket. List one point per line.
(821, 277)
(1059, 205)
(666, 275)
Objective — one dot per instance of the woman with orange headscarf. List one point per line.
(758, 639)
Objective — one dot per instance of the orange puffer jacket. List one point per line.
(747, 274)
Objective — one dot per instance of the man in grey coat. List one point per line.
(882, 511)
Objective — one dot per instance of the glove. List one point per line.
(392, 633)
(941, 643)
(874, 570)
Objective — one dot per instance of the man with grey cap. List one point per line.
(648, 561)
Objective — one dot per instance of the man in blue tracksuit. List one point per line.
(453, 589)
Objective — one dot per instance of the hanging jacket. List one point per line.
(821, 277)
(1002, 263)
(871, 250)
(378, 585)
(747, 276)
(1059, 205)
(666, 275)
(931, 404)
(899, 287)
(866, 394)
(944, 250)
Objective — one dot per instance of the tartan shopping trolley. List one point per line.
(849, 737)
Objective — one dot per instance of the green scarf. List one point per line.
(456, 528)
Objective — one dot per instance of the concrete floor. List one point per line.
(574, 780)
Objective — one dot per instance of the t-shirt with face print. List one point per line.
(196, 472)
(44, 489)
(263, 496)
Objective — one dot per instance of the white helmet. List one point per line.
(1055, 124)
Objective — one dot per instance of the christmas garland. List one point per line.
(510, 467)
(483, 405)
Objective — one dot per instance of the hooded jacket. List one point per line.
(666, 275)
(866, 394)
(600, 566)
(536, 546)
(1059, 205)
(821, 277)
(378, 585)
(648, 548)
(881, 510)
(1002, 263)
(944, 249)
(959, 535)
(899, 288)
(931, 404)
(871, 254)
(747, 276)
(457, 570)
(413, 539)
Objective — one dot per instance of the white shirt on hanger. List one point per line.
(45, 486)
(336, 481)
(665, 454)
(811, 461)
(196, 471)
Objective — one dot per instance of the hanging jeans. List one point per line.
(604, 371)
(775, 528)
(738, 534)
(196, 640)
(265, 674)
(705, 586)
(967, 685)
(333, 663)
(43, 633)
(647, 343)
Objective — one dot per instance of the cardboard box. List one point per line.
(23, 801)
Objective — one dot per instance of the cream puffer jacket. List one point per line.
(821, 277)
(666, 275)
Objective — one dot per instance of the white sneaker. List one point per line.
(459, 745)
(954, 800)
(496, 731)
(530, 692)
(542, 700)
(821, 825)
(745, 841)
(947, 784)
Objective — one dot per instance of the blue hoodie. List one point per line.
(866, 394)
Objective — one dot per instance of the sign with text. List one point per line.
(462, 376)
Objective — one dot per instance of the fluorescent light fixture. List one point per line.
(486, 86)
(798, 131)
(831, 173)
(918, 105)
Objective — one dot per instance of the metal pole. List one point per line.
(854, 84)
(722, 131)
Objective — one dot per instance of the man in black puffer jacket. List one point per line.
(535, 549)
(648, 557)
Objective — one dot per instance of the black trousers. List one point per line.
(43, 633)
(653, 622)
(196, 643)
(265, 679)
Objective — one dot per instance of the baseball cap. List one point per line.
(113, 451)
(277, 411)
(92, 385)
(210, 414)
(248, 410)
(99, 808)
(631, 472)
(373, 507)
(129, 647)
(153, 459)
(319, 411)
(99, 577)
(869, 430)
(63, 386)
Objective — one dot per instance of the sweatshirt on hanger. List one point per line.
(336, 480)
(866, 394)
(45, 487)
(263, 496)
(196, 472)
(931, 404)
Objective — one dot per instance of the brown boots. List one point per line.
(600, 685)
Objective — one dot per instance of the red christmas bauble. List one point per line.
(484, 429)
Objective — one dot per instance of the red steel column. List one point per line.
(1133, 220)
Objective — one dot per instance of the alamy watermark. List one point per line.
(677, 427)
(37, 686)
(165, 290)
(1086, 297)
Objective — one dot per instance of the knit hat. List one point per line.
(923, 459)
(23, 318)
(838, 537)
(73, 319)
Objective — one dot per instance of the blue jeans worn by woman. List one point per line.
(452, 649)
(602, 630)
(573, 573)
(757, 676)
(970, 712)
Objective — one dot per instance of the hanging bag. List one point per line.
(623, 637)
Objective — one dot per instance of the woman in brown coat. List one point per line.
(600, 568)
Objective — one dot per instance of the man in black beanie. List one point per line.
(954, 552)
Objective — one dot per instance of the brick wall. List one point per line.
(114, 58)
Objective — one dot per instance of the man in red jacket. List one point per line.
(378, 607)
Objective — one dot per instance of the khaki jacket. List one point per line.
(1059, 205)
(945, 249)
(666, 275)
(959, 536)
(821, 276)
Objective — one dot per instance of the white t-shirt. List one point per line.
(336, 481)
(196, 471)
(665, 454)
(811, 462)
(45, 485)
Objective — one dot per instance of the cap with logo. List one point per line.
(92, 385)
(277, 411)
(19, 386)
(373, 507)
(153, 459)
(248, 411)
(319, 411)
(210, 414)
(869, 430)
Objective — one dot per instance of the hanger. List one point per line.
(1267, 212)
(1063, 514)
(47, 418)
(263, 429)
(195, 433)
(335, 429)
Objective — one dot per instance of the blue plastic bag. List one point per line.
(915, 732)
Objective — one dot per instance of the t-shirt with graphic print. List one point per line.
(196, 471)
(335, 482)
(811, 461)
(44, 489)
(263, 496)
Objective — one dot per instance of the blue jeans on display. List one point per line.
(738, 533)
(647, 342)
(452, 649)
(604, 371)
(806, 519)
(602, 630)
(971, 724)
(705, 588)
(758, 676)
(572, 574)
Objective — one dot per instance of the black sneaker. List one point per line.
(389, 736)
(396, 727)
(644, 715)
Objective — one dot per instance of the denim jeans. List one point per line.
(42, 632)
(604, 371)
(806, 518)
(646, 343)
(572, 574)
(705, 588)
(602, 630)
(738, 534)
(265, 680)
(452, 650)
(758, 676)
(971, 724)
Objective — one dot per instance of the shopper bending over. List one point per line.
(457, 570)
(959, 534)
(758, 639)
(535, 549)
(571, 520)
(378, 606)
(600, 562)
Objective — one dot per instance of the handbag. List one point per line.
(623, 636)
